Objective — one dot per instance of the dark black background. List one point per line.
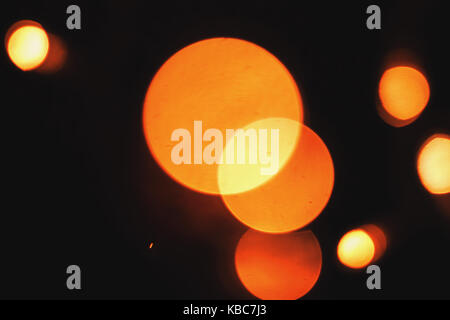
(80, 186)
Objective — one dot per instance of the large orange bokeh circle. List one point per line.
(404, 92)
(433, 164)
(227, 84)
(27, 44)
(278, 267)
(295, 196)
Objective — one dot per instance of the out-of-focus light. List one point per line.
(356, 249)
(433, 164)
(237, 178)
(379, 240)
(393, 121)
(225, 83)
(295, 196)
(28, 46)
(278, 267)
(56, 57)
(404, 93)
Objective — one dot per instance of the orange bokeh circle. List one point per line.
(433, 164)
(356, 249)
(360, 247)
(225, 83)
(278, 267)
(27, 44)
(295, 196)
(404, 93)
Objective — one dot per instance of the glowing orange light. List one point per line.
(356, 249)
(379, 240)
(278, 267)
(27, 46)
(295, 196)
(237, 178)
(433, 164)
(395, 122)
(225, 83)
(404, 93)
(56, 57)
(151, 245)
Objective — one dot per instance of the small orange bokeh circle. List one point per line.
(27, 44)
(404, 93)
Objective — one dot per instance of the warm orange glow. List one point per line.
(433, 164)
(295, 196)
(278, 267)
(356, 249)
(237, 178)
(56, 57)
(379, 240)
(404, 93)
(225, 83)
(151, 245)
(27, 46)
(395, 122)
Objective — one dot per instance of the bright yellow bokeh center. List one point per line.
(356, 249)
(28, 47)
(271, 142)
(433, 164)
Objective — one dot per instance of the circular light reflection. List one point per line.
(295, 196)
(225, 83)
(404, 93)
(433, 164)
(274, 141)
(27, 46)
(356, 249)
(278, 267)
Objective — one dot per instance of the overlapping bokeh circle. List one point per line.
(219, 84)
